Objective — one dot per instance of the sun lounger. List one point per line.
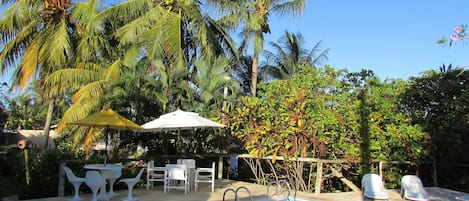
(372, 187)
(412, 188)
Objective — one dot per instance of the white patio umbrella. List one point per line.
(179, 120)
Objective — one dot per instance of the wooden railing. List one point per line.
(320, 163)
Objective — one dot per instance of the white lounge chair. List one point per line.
(373, 188)
(412, 188)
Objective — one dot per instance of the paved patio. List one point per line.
(258, 193)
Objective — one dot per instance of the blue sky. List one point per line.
(395, 39)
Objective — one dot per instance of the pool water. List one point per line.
(273, 199)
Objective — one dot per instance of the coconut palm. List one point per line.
(170, 36)
(96, 65)
(254, 16)
(213, 82)
(289, 53)
(36, 40)
(241, 72)
(22, 111)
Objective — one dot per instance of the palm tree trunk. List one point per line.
(255, 66)
(50, 110)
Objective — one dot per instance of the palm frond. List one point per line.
(90, 92)
(91, 45)
(294, 7)
(131, 56)
(132, 9)
(69, 80)
(58, 45)
(15, 44)
(130, 33)
(83, 13)
(76, 112)
(28, 67)
(114, 71)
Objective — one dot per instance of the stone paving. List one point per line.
(258, 192)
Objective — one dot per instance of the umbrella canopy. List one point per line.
(107, 119)
(179, 120)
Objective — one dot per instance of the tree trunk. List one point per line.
(255, 66)
(50, 110)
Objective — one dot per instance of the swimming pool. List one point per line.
(291, 199)
(281, 192)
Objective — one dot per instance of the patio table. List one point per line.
(102, 168)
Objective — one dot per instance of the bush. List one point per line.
(7, 173)
(44, 174)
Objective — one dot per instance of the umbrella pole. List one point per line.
(179, 141)
(105, 145)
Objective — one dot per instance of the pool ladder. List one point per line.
(282, 188)
(236, 193)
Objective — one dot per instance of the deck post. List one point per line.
(61, 189)
(220, 167)
(380, 168)
(317, 186)
(435, 174)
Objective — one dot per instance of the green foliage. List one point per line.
(320, 107)
(324, 113)
(26, 112)
(43, 171)
(438, 101)
(8, 182)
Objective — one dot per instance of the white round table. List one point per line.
(103, 195)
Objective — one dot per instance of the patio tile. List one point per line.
(258, 193)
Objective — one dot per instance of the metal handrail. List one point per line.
(280, 190)
(236, 193)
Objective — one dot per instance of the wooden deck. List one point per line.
(258, 192)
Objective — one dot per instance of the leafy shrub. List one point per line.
(44, 174)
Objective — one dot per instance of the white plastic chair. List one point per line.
(130, 185)
(75, 181)
(205, 175)
(154, 173)
(176, 177)
(94, 180)
(112, 175)
(372, 187)
(412, 188)
(190, 165)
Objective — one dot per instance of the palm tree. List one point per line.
(36, 40)
(213, 82)
(241, 72)
(92, 72)
(169, 36)
(288, 55)
(148, 36)
(21, 111)
(254, 16)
